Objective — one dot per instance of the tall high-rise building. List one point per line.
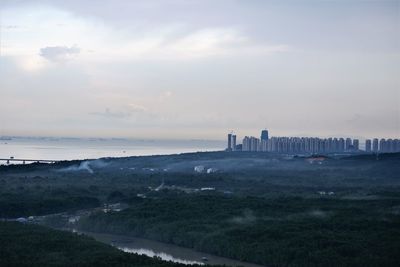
(330, 145)
(382, 145)
(264, 145)
(246, 144)
(389, 145)
(356, 144)
(335, 145)
(341, 144)
(375, 145)
(254, 143)
(233, 142)
(348, 144)
(396, 145)
(368, 145)
(229, 148)
(264, 135)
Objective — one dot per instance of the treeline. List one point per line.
(14, 205)
(32, 245)
(289, 231)
(37, 189)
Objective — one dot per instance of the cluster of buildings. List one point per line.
(382, 145)
(310, 144)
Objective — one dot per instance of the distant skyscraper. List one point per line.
(382, 145)
(335, 145)
(396, 145)
(330, 145)
(233, 142)
(356, 145)
(254, 144)
(389, 145)
(264, 135)
(375, 145)
(246, 144)
(348, 144)
(229, 148)
(368, 145)
(264, 145)
(341, 144)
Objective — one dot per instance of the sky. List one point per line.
(186, 69)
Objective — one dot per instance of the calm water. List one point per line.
(166, 252)
(74, 148)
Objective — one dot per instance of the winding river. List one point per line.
(165, 251)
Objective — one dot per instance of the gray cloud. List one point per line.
(58, 53)
(112, 114)
(121, 113)
(342, 60)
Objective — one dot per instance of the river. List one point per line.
(165, 251)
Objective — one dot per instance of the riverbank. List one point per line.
(30, 245)
(165, 251)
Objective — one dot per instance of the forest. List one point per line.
(32, 245)
(270, 209)
(287, 231)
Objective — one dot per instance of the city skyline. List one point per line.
(285, 144)
(193, 69)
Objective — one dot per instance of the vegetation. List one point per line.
(36, 201)
(266, 208)
(289, 231)
(33, 245)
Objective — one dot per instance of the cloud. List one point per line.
(58, 53)
(123, 113)
(208, 42)
(180, 44)
(212, 42)
(133, 41)
(112, 114)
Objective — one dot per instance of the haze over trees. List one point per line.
(263, 208)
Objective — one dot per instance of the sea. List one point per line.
(50, 148)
